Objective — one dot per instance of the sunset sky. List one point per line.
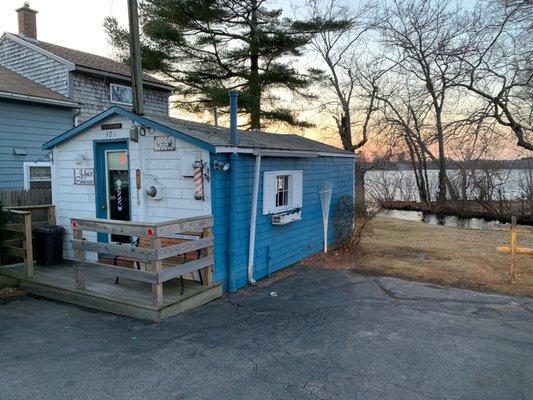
(78, 24)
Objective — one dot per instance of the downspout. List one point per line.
(234, 163)
(253, 217)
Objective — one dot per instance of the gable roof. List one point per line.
(15, 86)
(212, 138)
(87, 62)
(220, 137)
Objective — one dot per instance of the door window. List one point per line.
(118, 189)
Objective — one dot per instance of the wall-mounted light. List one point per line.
(220, 166)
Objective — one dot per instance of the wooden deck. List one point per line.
(128, 297)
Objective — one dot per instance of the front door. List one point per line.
(112, 185)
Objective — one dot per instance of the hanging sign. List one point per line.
(83, 176)
(164, 143)
(107, 127)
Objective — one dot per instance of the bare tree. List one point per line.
(338, 42)
(404, 116)
(421, 36)
(496, 64)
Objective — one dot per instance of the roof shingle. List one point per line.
(11, 82)
(93, 61)
(220, 136)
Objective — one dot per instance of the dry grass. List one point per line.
(437, 254)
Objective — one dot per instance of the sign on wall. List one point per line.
(107, 127)
(164, 143)
(83, 176)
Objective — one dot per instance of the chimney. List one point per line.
(27, 21)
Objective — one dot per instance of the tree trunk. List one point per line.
(441, 195)
(255, 85)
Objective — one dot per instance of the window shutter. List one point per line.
(269, 192)
(297, 189)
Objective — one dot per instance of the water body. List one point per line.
(401, 185)
(447, 220)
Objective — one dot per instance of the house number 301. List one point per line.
(110, 135)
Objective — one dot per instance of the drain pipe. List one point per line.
(253, 218)
(234, 163)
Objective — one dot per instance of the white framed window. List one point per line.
(37, 175)
(282, 191)
(121, 94)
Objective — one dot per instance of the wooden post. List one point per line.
(513, 248)
(207, 273)
(51, 212)
(28, 245)
(157, 288)
(79, 255)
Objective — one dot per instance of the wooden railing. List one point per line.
(152, 256)
(514, 249)
(22, 220)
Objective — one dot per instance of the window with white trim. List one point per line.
(121, 94)
(282, 191)
(37, 175)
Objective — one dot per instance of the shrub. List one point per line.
(352, 222)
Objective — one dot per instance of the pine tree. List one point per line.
(206, 47)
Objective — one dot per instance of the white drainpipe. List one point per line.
(253, 217)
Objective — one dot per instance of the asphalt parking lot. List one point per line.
(314, 334)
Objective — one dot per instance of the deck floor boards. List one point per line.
(127, 297)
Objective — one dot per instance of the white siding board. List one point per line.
(78, 201)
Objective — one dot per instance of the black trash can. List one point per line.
(48, 245)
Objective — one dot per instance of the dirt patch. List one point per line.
(8, 294)
(459, 257)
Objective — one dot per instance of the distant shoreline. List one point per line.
(461, 209)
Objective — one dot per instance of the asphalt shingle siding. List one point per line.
(35, 66)
(27, 126)
(93, 92)
(93, 61)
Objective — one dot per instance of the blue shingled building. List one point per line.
(30, 114)
(262, 189)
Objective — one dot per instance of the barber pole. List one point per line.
(198, 173)
(119, 196)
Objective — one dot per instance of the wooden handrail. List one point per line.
(153, 255)
(30, 208)
(145, 229)
(24, 228)
(18, 212)
(136, 253)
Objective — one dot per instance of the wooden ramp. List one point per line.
(128, 297)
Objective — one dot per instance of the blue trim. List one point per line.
(100, 184)
(115, 110)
